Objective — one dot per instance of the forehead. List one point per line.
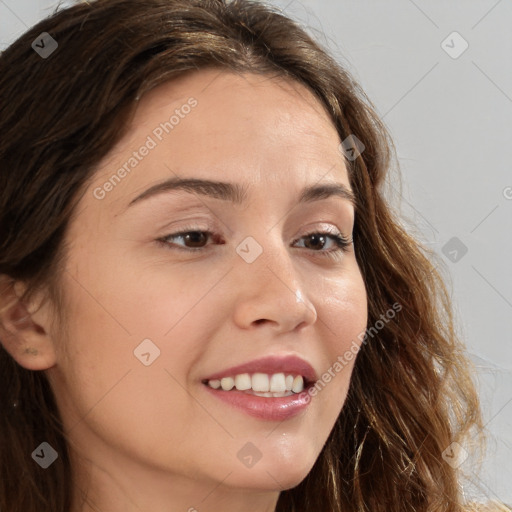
(235, 108)
(232, 92)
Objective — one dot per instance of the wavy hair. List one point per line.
(411, 393)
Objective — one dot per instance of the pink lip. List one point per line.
(290, 364)
(265, 408)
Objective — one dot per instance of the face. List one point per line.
(153, 312)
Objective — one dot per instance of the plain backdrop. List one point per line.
(440, 76)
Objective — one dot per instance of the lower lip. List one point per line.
(265, 408)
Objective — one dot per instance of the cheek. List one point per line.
(344, 309)
(104, 380)
(343, 316)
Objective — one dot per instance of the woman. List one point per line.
(207, 304)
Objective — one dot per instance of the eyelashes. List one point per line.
(196, 235)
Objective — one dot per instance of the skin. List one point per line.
(151, 437)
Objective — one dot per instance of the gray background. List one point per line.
(451, 120)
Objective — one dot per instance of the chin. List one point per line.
(272, 475)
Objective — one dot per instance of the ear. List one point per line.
(25, 329)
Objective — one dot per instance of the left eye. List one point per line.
(198, 238)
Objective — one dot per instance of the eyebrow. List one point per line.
(237, 194)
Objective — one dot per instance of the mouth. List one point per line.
(277, 396)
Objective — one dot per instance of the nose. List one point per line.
(271, 290)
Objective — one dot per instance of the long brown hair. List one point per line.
(411, 393)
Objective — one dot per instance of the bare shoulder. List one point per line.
(490, 506)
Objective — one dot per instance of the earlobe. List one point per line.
(24, 331)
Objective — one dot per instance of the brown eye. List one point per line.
(197, 239)
(192, 239)
(318, 241)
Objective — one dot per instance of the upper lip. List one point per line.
(287, 364)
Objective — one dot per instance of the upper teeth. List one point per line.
(260, 382)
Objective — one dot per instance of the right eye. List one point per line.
(193, 236)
